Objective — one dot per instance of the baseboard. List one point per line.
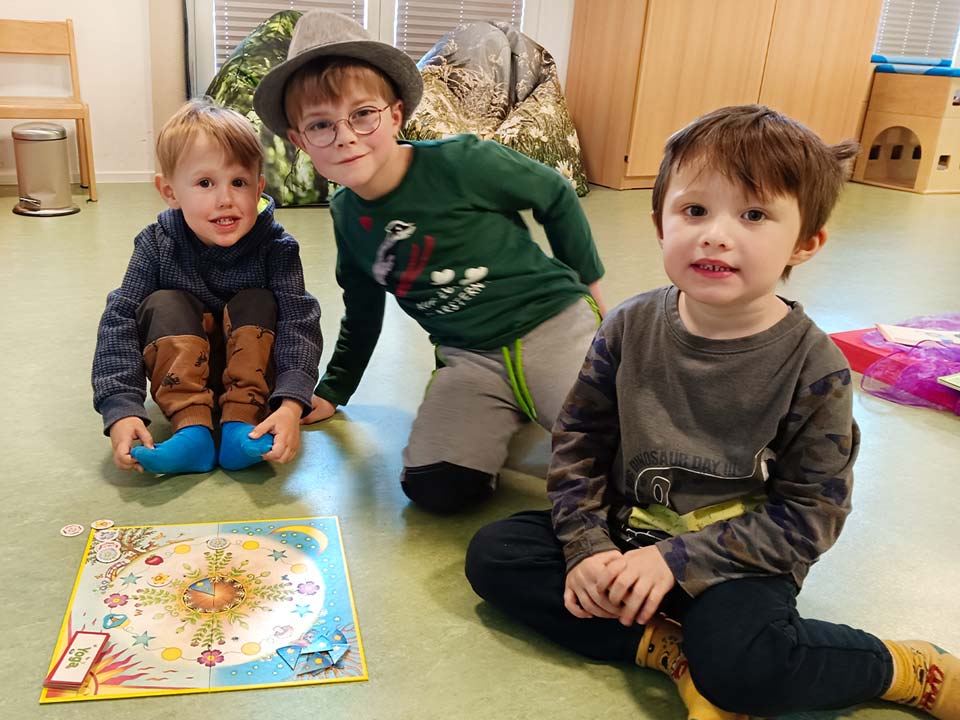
(9, 177)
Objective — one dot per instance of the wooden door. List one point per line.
(818, 67)
(698, 55)
(601, 81)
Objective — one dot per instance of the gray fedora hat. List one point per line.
(322, 33)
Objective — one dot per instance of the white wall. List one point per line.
(113, 46)
(550, 23)
(113, 49)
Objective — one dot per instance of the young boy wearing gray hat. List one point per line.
(437, 225)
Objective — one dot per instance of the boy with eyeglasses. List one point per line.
(437, 225)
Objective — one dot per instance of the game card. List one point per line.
(83, 650)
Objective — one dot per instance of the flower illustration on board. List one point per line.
(308, 588)
(210, 658)
(115, 600)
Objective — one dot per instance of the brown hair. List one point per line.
(228, 128)
(328, 80)
(768, 154)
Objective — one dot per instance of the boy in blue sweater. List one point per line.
(212, 310)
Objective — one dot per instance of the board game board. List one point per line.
(212, 607)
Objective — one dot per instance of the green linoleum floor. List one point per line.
(433, 650)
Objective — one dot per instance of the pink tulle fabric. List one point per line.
(908, 375)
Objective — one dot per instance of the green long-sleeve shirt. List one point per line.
(450, 244)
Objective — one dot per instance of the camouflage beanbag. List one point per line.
(483, 78)
(491, 80)
(291, 178)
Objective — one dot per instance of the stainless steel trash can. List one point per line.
(43, 171)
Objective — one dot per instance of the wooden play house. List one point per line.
(911, 134)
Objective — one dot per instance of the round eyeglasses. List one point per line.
(362, 121)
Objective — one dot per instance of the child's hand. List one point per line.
(585, 591)
(284, 424)
(641, 585)
(322, 409)
(123, 433)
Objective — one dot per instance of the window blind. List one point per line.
(421, 23)
(918, 28)
(235, 19)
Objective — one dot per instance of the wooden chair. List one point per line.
(23, 37)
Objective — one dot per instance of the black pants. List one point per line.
(748, 649)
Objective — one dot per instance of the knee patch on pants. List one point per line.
(166, 313)
(447, 488)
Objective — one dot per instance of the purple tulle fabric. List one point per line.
(908, 375)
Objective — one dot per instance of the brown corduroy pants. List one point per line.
(194, 359)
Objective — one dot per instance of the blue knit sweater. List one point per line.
(168, 256)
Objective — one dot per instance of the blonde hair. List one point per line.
(768, 155)
(328, 80)
(228, 128)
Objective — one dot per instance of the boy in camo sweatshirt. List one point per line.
(703, 460)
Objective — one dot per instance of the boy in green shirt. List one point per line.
(437, 225)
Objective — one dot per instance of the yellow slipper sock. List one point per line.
(925, 677)
(659, 649)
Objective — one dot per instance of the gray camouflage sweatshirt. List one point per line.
(733, 457)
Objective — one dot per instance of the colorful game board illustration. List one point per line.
(213, 607)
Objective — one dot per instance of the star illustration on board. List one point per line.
(302, 610)
(279, 554)
(130, 579)
(143, 639)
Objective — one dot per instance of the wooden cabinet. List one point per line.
(642, 69)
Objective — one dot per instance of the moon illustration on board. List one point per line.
(312, 532)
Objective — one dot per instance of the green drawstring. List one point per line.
(439, 363)
(521, 381)
(515, 368)
(593, 306)
(517, 382)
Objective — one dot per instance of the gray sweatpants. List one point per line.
(479, 399)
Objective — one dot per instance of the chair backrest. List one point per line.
(28, 37)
